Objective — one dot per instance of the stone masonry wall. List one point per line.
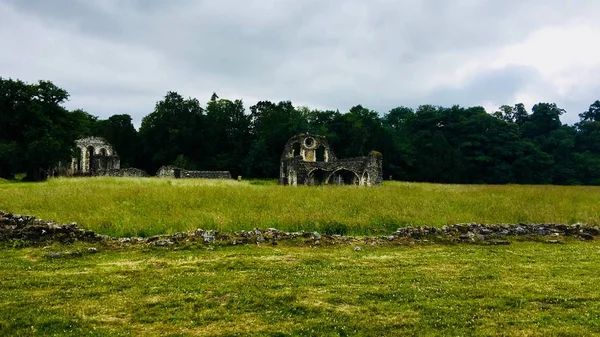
(176, 172)
(206, 174)
(128, 172)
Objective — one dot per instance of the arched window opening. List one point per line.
(320, 153)
(91, 160)
(79, 164)
(296, 148)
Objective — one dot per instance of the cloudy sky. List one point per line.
(121, 56)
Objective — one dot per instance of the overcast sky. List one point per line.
(119, 56)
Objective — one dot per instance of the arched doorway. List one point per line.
(343, 177)
(317, 177)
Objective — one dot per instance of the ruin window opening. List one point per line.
(296, 148)
(320, 153)
(102, 162)
(309, 142)
(91, 159)
(78, 156)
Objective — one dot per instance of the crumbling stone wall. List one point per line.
(169, 172)
(39, 232)
(206, 174)
(176, 172)
(309, 160)
(127, 172)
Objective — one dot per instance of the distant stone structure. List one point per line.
(124, 172)
(94, 155)
(176, 172)
(309, 160)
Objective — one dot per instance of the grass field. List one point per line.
(525, 289)
(149, 206)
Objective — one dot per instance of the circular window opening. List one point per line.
(309, 142)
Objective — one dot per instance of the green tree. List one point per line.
(587, 146)
(119, 131)
(36, 131)
(174, 128)
(271, 125)
(227, 135)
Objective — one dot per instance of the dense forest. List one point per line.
(430, 143)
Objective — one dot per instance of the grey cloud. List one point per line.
(332, 54)
(496, 85)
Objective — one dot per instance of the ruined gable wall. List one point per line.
(299, 165)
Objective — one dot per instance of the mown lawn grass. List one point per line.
(525, 289)
(149, 206)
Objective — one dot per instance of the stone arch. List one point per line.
(317, 177)
(343, 177)
(365, 179)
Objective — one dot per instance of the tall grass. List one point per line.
(149, 206)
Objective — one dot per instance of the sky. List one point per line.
(122, 56)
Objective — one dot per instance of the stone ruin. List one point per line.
(309, 160)
(176, 172)
(94, 156)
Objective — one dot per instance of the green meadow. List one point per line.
(524, 289)
(150, 206)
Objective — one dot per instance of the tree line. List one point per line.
(430, 143)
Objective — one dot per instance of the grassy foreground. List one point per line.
(525, 289)
(149, 206)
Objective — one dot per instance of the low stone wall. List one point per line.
(127, 172)
(206, 174)
(176, 172)
(39, 232)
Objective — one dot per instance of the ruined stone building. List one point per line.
(309, 160)
(94, 155)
